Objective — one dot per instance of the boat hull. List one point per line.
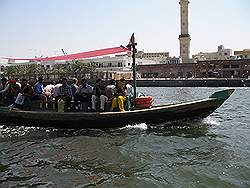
(167, 113)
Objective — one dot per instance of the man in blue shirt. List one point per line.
(38, 90)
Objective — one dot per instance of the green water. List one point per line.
(212, 153)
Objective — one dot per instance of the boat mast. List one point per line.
(133, 45)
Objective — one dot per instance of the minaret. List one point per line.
(184, 37)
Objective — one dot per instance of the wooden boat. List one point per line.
(152, 116)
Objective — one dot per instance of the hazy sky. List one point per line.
(44, 27)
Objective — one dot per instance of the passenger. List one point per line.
(27, 92)
(120, 96)
(74, 86)
(3, 83)
(2, 86)
(129, 95)
(39, 90)
(48, 90)
(84, 92)
(129, 89)
(56, 90)
(10, 92)
(18, 82)
(97, 92)
(109, 94)
(110, 90)
(66, 93)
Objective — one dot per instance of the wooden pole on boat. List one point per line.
(133, 44)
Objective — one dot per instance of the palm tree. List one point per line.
(32, 71)
(59, 70)
(10, 71)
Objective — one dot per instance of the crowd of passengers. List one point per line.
(21, 94)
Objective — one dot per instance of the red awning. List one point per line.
(81, 55)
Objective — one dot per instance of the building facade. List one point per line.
(152, 55)
(232, 68)
(113, 67)
(238, 68)
(221, 54)
(244, 54)
(182, 70)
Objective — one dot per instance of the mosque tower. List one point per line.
(184, 37)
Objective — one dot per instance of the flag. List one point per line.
(131, 42)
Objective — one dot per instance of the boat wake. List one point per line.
(210, 121)
(142, 126)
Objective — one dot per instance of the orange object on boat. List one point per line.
(143, 102)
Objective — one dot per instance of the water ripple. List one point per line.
(210, 153)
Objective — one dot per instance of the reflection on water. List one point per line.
(209, 153)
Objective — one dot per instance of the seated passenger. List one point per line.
(48, 90)
(27, 94)
(39, 90)
(66, 92)
(84, 92)
(18, 82)
(56, 90)
(3, 83)
(109, 94)
(74, 86)
(97, 92)
(120, 96)
(2, 86)
(10, 92)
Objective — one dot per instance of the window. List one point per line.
(144, 75)
(234, 66)
(226, 66)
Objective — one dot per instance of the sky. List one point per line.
(31, 28)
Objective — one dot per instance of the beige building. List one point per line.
(171, 60)
(221, 54)
(244, 54)
(157, 56)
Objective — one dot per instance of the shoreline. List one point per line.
(194, 82)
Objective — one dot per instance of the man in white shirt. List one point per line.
(56, 90)
(48, 90)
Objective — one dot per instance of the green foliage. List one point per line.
(71, 69)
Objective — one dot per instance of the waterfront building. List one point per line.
(181, 70)
(112, 67)
(43, 64)
(152, 55)
(244, 54)
(232, 68)
(221, 54)
(184, 37)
